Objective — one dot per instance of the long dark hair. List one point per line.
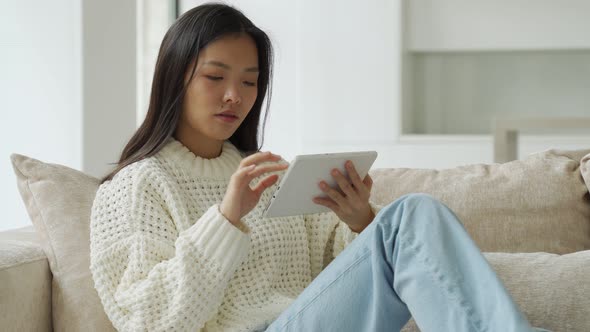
(181, 45)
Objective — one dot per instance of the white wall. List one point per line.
(40, 90)
(350, 74)
(67, 86)
(109, 80)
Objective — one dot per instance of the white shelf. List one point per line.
(462, 92)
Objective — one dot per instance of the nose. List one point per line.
(232, 95)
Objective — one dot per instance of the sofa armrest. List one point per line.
(25, 282)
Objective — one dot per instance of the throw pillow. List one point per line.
(539, 204)
(551, 290)
(58, 200)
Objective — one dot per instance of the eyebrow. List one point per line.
(226, 66)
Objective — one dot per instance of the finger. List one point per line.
(333, 194)
(344, 185)
(242, 172)
(327, 203)
(259, 157)
(261, 169)
(355, 178)
(368, 181)
(265, 183)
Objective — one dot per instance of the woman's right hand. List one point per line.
(240, 198)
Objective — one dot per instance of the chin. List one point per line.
(222, 136)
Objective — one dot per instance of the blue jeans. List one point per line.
(414, 260)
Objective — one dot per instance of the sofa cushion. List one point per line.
(20, 246)
(58, 200)
(585, 169)
(551, 290)
(539, 204)
(25, 282)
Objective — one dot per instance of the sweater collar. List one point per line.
(220, 168)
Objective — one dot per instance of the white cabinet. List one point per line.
(466, 25)
(467, 62)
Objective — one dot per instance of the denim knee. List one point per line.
(413, 200)
(419, 198)
(409, 202)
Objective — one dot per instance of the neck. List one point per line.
(201, 146)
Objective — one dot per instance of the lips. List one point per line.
(228, 114)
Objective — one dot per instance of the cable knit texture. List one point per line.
(163, 258)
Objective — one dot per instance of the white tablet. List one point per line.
(299, 185)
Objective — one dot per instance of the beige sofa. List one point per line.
(531, 218)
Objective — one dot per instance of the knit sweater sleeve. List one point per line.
(148, 274)
(328, 236)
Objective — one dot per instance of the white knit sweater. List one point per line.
(163, 258)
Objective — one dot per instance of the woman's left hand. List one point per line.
(351, 204)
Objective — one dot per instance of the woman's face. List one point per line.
(222, 90)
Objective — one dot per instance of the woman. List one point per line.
(178, 241)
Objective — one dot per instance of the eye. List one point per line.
(249, 83)
(214, 78)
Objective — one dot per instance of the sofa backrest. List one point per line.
(538, 204)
